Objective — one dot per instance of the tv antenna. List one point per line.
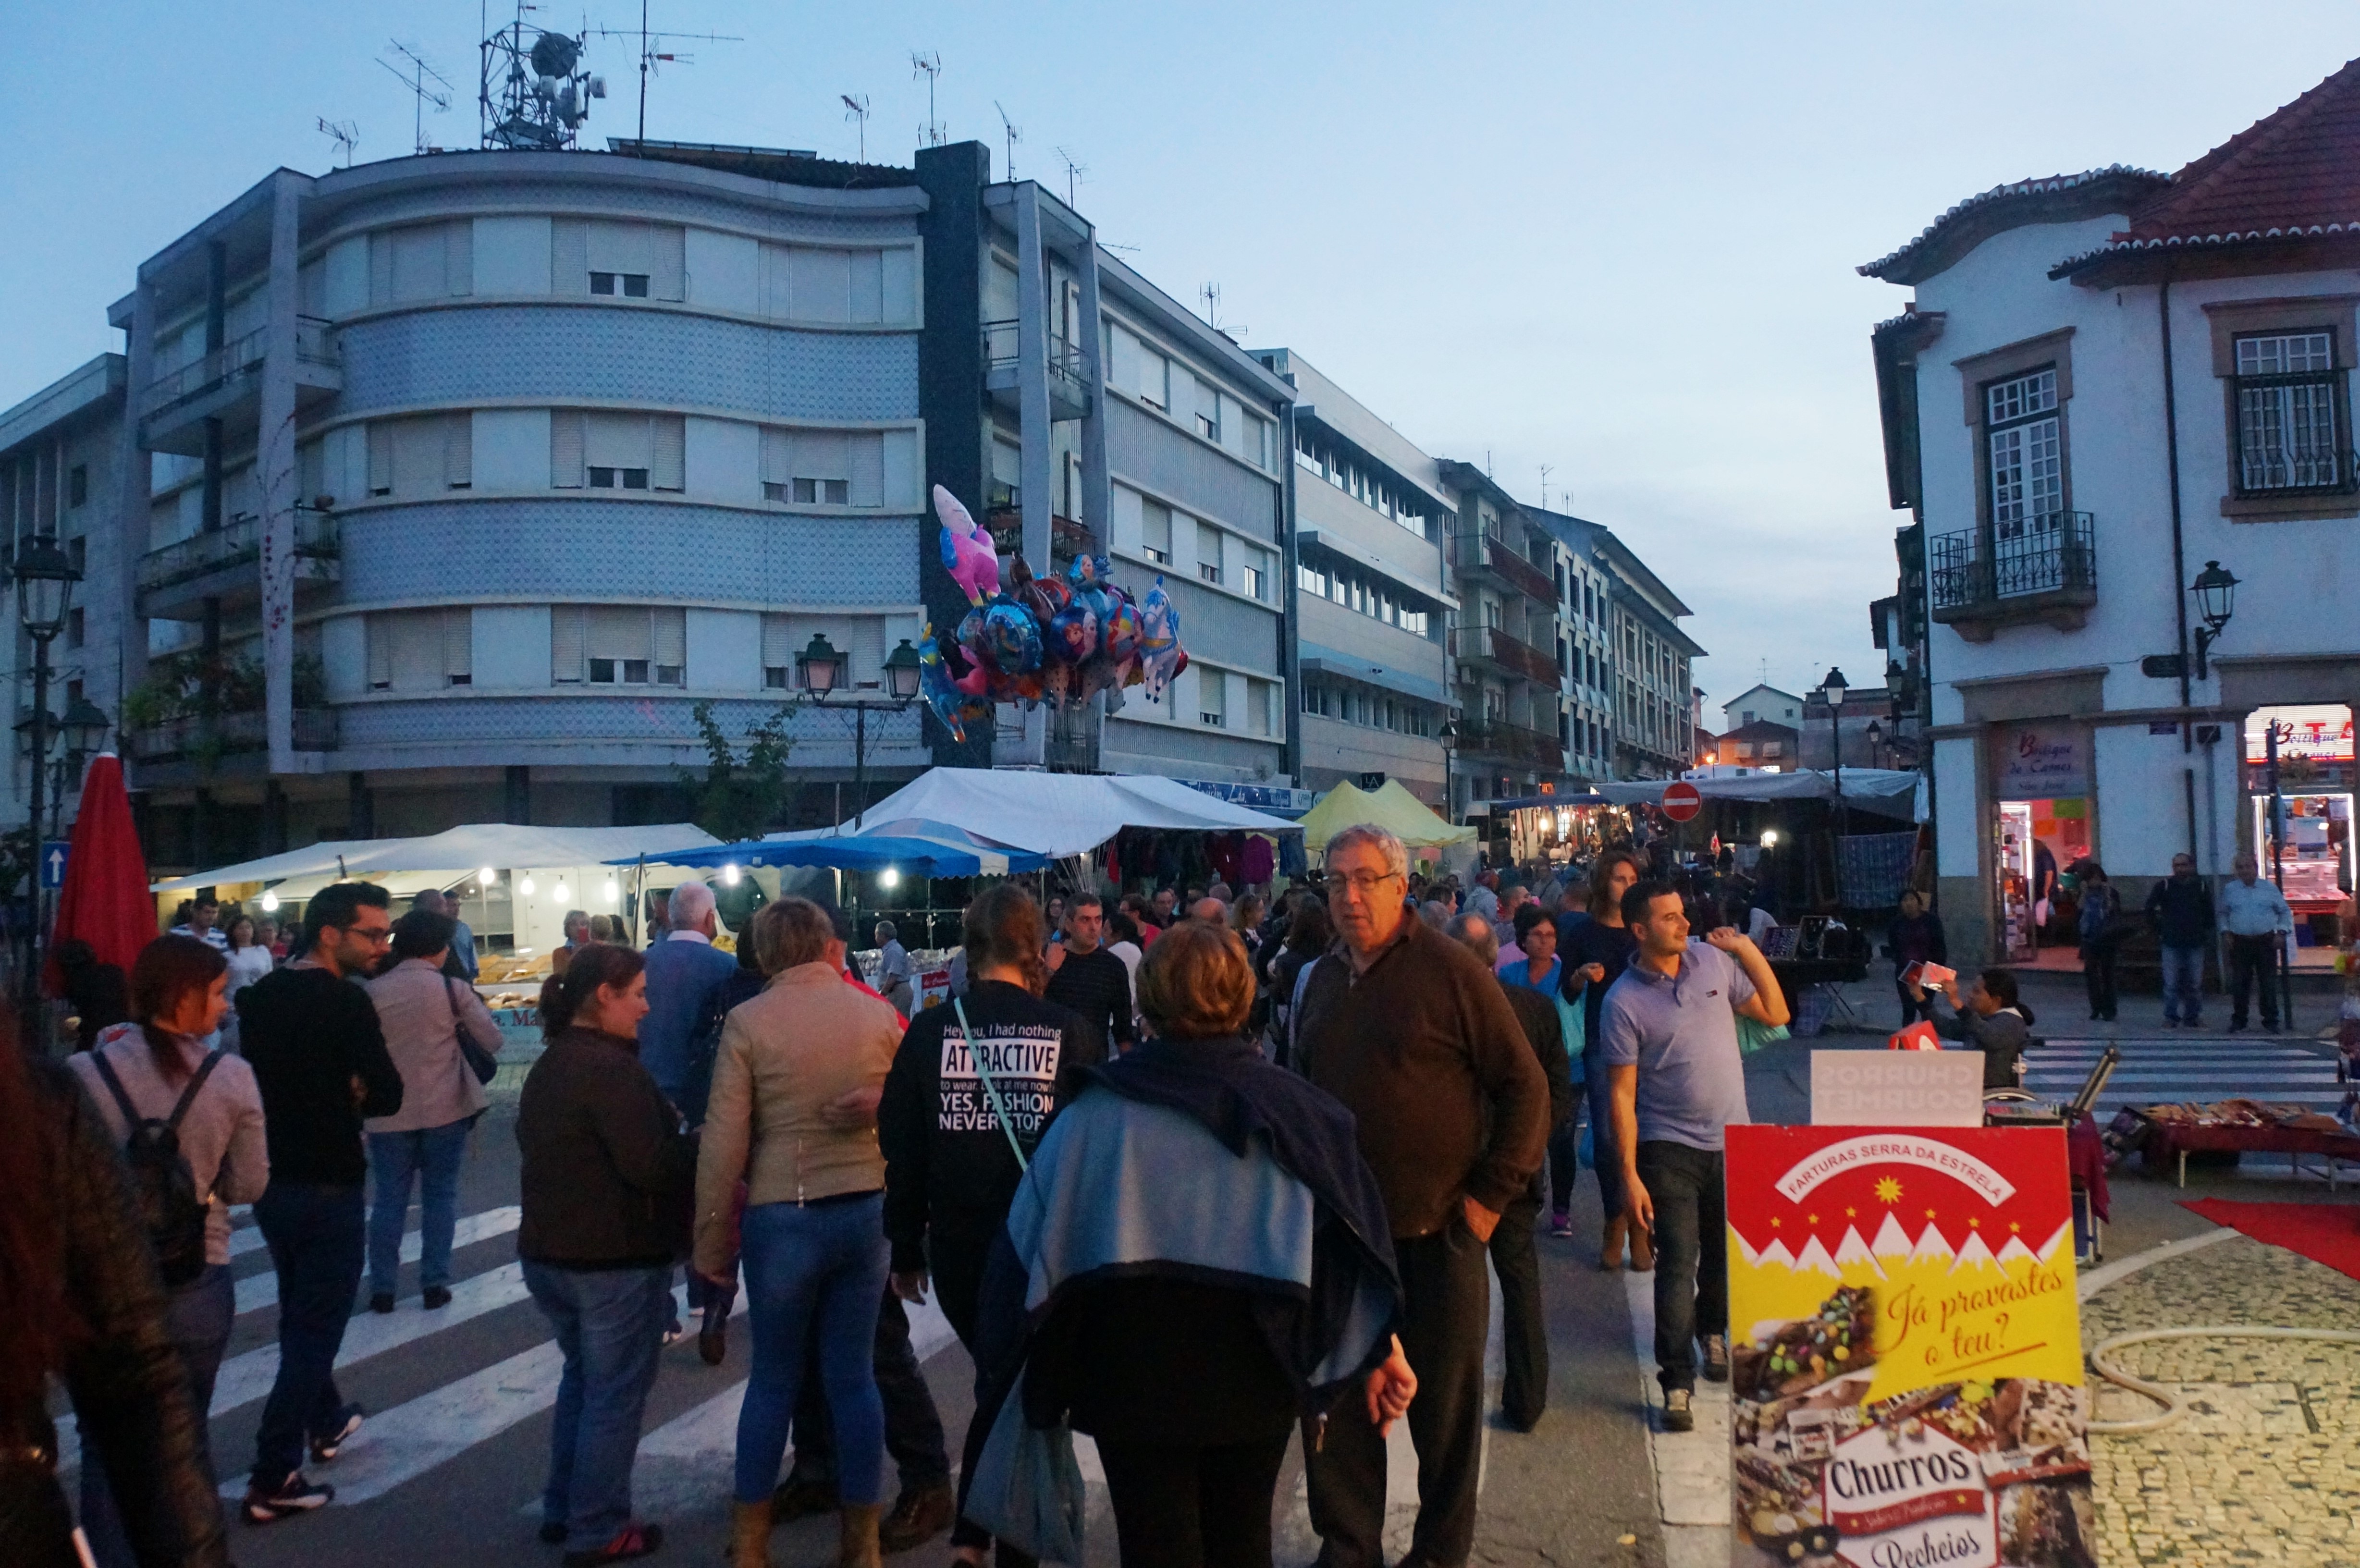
(414, 77)
(856, 108)
(1545, 474)
(1015, 134)
(1074, 172)
(928, 64)
(1210, 294)
(532, 91)
(653, 54)
(345, 133)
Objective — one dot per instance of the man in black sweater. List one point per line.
(1085, 977)
(310, 1034)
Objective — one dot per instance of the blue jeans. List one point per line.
(432, 1155)
(316, 1235)
(824, 1265)
(2183, 984)
(197, 1318)
(1605, 1157)
(609, 1324)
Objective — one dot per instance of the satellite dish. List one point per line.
(555, 54)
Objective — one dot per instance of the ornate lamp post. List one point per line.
(1831, 692)
(822, 669)
(2216, 597)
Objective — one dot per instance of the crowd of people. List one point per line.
(1057, 1154)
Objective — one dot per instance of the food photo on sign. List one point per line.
(1906, 1351)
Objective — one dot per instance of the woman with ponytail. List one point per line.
(159, 1069)
(80, 1299)
(608, 1173)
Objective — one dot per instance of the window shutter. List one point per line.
(668, 471)
(671, 634)
(868, 268)
(458, 451)
(619, 441)
(566, 443)
(622, 247)
(459, 647)
(418, 656)
(380, 255)
(617, 631)
(380, 652)
(864, 463)
(819, 284)
(821, 455)
(1155, 528)
(417, 266)
(459, 257)
(380, 458)
(865, 647)
(1209, 546)
(419, 461)
(568, 256)
(778, 450)
(565, 640)
(778, 643)
(668, 268)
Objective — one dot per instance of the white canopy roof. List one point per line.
(1056, 813)
(1890, 791)
(502, 846)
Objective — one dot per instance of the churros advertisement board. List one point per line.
(1905, 1350)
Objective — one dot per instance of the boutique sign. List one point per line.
(2042, 762)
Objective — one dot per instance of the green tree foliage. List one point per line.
(739, 797)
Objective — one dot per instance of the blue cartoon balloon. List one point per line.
(954, 707)
(1012, 637)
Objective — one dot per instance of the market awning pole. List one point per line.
(639, 896)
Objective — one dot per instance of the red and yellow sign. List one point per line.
(1905, 1347)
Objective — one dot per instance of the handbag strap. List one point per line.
(967, 1034)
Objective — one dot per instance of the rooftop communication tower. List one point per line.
(534, 93)
(930, 66)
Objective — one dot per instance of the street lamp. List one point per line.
(1449, 734)
(2216, 597)
(823, 671)
(1831, 692)
(1876, 740)
(85, 726)
(45, 577)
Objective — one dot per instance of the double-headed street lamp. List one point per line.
(45, 576)
(822, 669)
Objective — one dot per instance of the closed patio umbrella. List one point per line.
(104, 901)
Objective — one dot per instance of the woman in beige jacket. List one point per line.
(794, 1114)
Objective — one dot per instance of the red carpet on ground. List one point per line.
(2324, 1233)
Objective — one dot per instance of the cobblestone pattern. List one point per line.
(2266, 1466)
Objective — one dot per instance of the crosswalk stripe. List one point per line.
(257, 1291)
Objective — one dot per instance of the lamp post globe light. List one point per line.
(1831, 692)
(45, 577)
(2216, 597)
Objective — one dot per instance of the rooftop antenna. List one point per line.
(1074, 172)
(532, 91)
(414, 78)
(856, 107)
(1015, 134)
(345, 133)
(655, 55)
(1545, 474)
(1210, 294)
(928, 65)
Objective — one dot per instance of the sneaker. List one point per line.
(294, 1495)
(1677, 1414)
(919, 1515)
(673, 1334)
(381, 1302)
(1716, 1358)
(325, 1447)
(437, 1296)
(632, 1540)
(1560, 1224)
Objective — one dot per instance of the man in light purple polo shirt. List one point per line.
(1668, 1040)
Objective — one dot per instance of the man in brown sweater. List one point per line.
(1412, 1032)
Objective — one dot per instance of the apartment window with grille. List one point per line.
(628, 285)
(2024, 436)
(2291, 419)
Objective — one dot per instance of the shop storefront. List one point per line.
(2309, 845)
(2044, 819)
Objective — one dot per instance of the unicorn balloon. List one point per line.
(969, 554)
(954, 707)
(1160, 656)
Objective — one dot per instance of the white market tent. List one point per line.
(1892, 791)
(455, 853)
(1057, 815)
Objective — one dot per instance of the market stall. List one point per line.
(1554, 829)
(1391, 807)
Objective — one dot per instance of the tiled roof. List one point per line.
(2295, 174)
(2051, 199)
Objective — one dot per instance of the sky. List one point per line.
(1614, 240)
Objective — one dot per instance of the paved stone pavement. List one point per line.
(2263, 1468)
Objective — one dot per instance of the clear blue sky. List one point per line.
(1618, 240)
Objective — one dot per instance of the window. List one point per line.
(630, 285)
(1212, 699)
(1251, 575)
(2026, 443)
(617, 452)
(421, 650)
(1156, 532)
(617, 478)
(420, 456)
(73, 628)
(824, 468)
(617, 645)
(1311, 579)
(2289, 421)
(1259, 702)
(77, 484)
(860, 639)
(1209, 552)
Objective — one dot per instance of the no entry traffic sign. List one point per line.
(1681, 802)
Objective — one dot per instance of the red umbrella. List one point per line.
(105, 901)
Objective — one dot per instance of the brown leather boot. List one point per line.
(919, 1515)
(1643, 1250)
(857, 1538)
(750, 1535)
(1610, 1252)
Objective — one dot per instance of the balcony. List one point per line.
(2047, 574)
(176, 580)
(1498, 739)
(204, 741)
(175, 404)
(1509, 656)
(1485, 555)
(1070, 371)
